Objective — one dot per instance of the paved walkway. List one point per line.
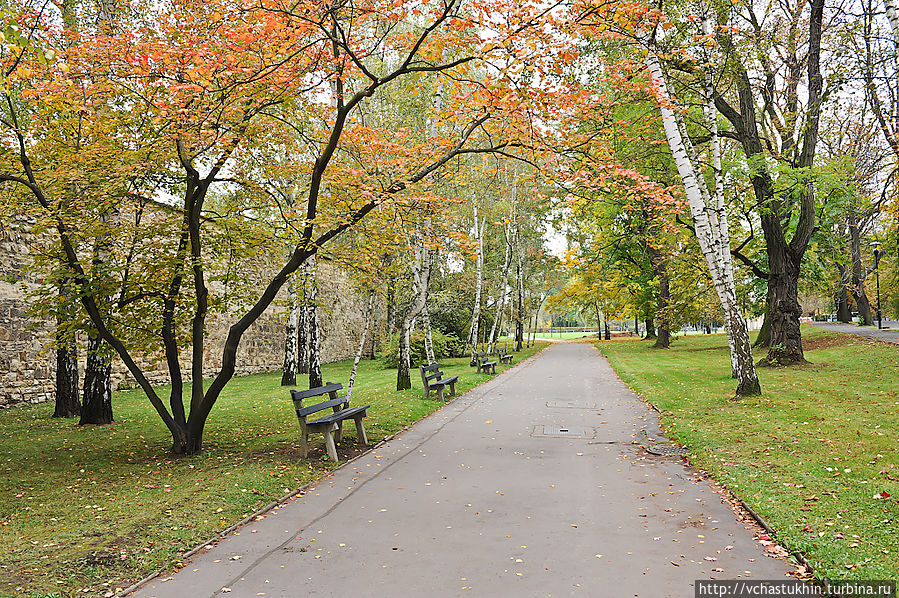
(471, 500)
(890, 332)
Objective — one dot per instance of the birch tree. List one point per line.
(502, 290)
(711, 227)
(479, 283)
(314, 331)
(369, 316)
(421, 275)
(291, 347)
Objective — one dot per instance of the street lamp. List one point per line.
(877, 253)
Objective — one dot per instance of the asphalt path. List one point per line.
(529, 485)
(889, 333)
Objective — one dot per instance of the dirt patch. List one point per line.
(826, 341)
(723, 348)
(347, 449)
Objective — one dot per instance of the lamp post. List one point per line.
(877, 254)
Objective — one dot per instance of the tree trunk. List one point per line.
(303, 323)
(892, 11)
(96, 406)
(496, 329)
(785, 338)
(663, 340)
(841, 297)
(421, 274)
(764, 337)
(429, 341)
(650, 329)
(404, 365)
(289, 368)
(608, 331)
(315, 350)
(68, 403)
(479, 283)
(391, 305)
(865, 315)
(519, 323)
(369, 314)
(785, 342)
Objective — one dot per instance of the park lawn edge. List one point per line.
(808, 457)
(75, 563)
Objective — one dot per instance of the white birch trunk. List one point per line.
(289, 368)
(501, 302)
(712, 240)
(429, 341)
(421, 273)
(303, 323)
(479, 283)
(314, 332)
(369, 313)
(720, 207)
(519, 322)
(892, 10)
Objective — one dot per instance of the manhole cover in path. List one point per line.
(667, 449)
(563, 432)
(572, 404)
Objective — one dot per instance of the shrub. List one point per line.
(445, 345)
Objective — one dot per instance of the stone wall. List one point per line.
(27, 358)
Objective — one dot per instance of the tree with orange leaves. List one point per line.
(189, 87)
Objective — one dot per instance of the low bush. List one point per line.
(445, 346)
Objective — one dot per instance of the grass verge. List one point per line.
(815, 455)
(86, 510)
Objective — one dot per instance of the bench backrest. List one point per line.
(328, 389)
(431, 367)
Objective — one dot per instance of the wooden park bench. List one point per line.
(436, 381)
(330, 425)
(480, 360)
(503, 356)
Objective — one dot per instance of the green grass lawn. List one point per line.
(87, 509)
(809, 456)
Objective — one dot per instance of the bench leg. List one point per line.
(452, 389)
(304, 444)
(329, 444)
(360, 431)
(338, 433)
(493, 369)
(440, 393)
